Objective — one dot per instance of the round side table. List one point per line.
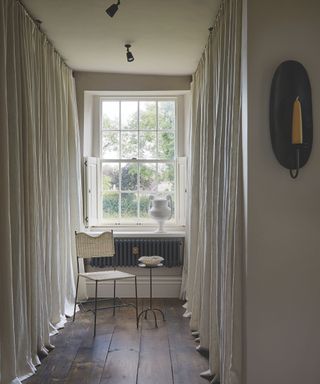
(150, 308)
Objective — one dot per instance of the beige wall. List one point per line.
(100, 82)
(283, 216)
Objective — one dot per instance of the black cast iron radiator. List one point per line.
(128, 251)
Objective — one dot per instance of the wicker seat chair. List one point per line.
(88, 247)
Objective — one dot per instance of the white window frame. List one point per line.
(180, 159)
(116, 161)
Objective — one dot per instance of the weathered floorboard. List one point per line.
(155, 360)
(121, 354)
(182, 347)
(56, 366)
(122, 361)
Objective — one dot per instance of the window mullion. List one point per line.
(157, 130)
(119, 162)
(101, 128)
(138, 184)
(120, 136)
(136, 161)
(138, 190)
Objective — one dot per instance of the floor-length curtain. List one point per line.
(213, 272)
(40, 200)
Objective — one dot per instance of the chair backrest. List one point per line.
(88, 246)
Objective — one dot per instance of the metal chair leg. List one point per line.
(75, 300)
(136, 290)
(95, 309)
(114, 297)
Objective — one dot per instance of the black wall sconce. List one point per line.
(291, 125)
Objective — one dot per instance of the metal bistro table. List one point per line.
(150, 308)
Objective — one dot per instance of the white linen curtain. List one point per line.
(40, 194)
(213, 272)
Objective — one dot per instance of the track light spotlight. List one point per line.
(113, 9)
(130, 57)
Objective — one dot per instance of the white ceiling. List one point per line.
(167, 37)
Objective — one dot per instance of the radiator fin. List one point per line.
(171, 249)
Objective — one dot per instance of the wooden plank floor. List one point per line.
(121, 354)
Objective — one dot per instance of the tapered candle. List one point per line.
(297, 137)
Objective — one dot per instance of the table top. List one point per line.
(141, 265)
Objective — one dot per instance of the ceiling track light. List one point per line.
(113, 9)
(130, 57)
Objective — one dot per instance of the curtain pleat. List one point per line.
(213, 273)
(40, 194)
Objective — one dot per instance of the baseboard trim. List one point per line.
(163, 286)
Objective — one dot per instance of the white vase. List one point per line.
(160, 210)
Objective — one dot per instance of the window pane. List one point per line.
(166, 178)
(148, 119)
(129, 205)
(148, 145)
(148, 177)
(144, 206)
(166, 115)
(129, 177)
(129, 115)
(129, 145)
(110, 177)
(110, 205)
(110, 145)
(166, 146)
(110, 115)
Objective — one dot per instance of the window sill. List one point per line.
(129, 231)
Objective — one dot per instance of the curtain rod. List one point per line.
(37, 23)
(215, 25)
(212, 29)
